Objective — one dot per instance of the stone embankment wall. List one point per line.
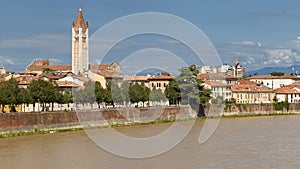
(72, 118)
(253, 109)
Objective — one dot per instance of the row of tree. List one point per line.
(184, 89)
(38, 91)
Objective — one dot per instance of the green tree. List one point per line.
(145, 93)
(135, 93)
(25, 97)
(100, 93)
(89, 93)
(156, 95)
(67, 98)
(173, 92)
(9, 94)
(191, 88)
(139, 93)
(108, 99)
(286, 104)
(43, 92)
(276, 73)
(116, 93)
(125, 92)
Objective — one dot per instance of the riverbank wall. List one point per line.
(82, 118)
(105, 117)
(259, 109)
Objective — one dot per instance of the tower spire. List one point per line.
(80, 20)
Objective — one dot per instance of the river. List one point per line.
(251, 142)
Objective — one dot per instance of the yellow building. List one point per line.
(245, 93)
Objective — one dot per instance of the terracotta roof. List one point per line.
(82, 78)
(27, 72)
(275, 77)
(161, 77)
(245, 82)
(245, 88)
(25, 80)
(288, 90)
(3, 76)
(295, 84)
(52, 67)
(214, 83)
(67, 84)
(99, 66)
(108, 74)
(214, 76)
(54, 76)
(136, 78)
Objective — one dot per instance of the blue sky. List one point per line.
(261, 33)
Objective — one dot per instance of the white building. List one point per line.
(218, 89)
(290, 92)
(80, 39)
(275, 82)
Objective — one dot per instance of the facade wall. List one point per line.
(158, 84)
(222, 91)
(253, 97)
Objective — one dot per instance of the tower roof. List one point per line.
(80, 21)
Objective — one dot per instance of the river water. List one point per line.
(252, 142)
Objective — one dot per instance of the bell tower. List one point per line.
(80, 45)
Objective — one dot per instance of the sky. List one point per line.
(260, 33)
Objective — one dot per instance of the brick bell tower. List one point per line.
(80, 45)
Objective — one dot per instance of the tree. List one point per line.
(276, 73)
(25, 97)
(286, 105)
(43, 92)
(277, 105)
(116, 93)
(156, 95)
(173, 92)
(139, 93)
(9, 94)
(125, 92)
(191, 89)
(67, 97)
(108, 99)
(135, 93)
(145, 93)
(89, 93)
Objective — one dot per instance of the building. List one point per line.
(291, 93)
(80, 41)
(2, 71)
(217, 77)
(160, 82)
(275, 82)
(137, 80)
(218, 89)
(39, 66)
(236, 70)
(245, 93)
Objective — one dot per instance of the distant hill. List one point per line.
(267, 70)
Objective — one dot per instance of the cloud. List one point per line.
(247, 43)
(5, 60)
(254, 55)
(47, 43)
